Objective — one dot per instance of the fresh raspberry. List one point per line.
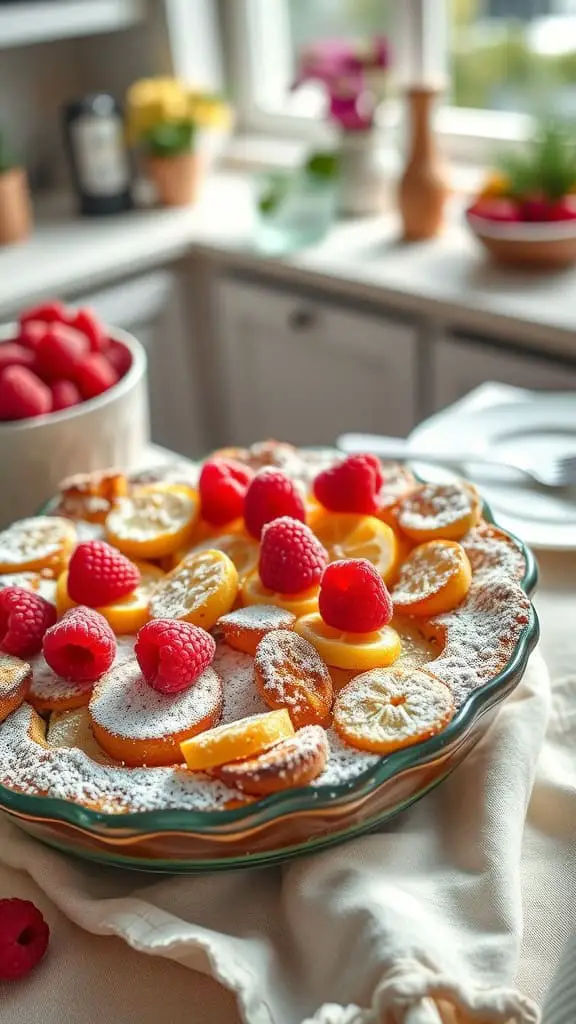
(271, 495)
(95, 375)
(49, 312)
(353, 485)
(24, 618)
(24, 937)
(81, 646)
(13, 354)
(172, 654)
(99, 575)
(223, 484)
(60, 353)
(353, 596)
(119, 356)
(64, 395)
(23, 394)
(85, 321)
(31, 333)
(291, 557)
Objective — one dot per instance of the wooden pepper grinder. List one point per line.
(423, 188)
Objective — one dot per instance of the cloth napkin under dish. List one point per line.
(455, 912)
(417, 924)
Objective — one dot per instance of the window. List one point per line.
(514, 55)
(504, 58)
(349, 19)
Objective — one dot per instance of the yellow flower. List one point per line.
(161, 100)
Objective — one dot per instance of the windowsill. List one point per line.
(259, 152)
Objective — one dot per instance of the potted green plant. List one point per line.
(172, 162)
(15, 207)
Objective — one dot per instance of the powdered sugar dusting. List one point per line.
(481, 635)
(420, 576)
(125, 705)
(292, 673)
(476, 641)
(433, 506)
(35, 538)
(144, 516)
(69, 774)
(47, 685)
(344, 762)
(37, 582)
(241, 698)
(259, 617)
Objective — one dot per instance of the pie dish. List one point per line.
(63, 786)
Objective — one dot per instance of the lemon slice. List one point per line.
(240, 548)
(348, 535)
(200, 589)
(435, 578)
(253, 592)
(243, 738)
(439, 511)
(205, 534)
(154, 521)
(128, 614)
(386, 709)
(359, 651)
(42, 542)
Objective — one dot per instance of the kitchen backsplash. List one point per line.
(35, 81)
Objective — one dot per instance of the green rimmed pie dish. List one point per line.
(307, 819)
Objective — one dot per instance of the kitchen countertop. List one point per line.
(447, 280)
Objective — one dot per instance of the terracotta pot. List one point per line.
(178, 179)
(423, 187)
(15, 206)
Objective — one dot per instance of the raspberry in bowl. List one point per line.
(72, 397)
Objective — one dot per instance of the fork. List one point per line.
(550, 472)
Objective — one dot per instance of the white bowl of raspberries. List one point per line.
(73, 396)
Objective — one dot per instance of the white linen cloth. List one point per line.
(455, 912)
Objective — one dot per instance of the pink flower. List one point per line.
(345, 70)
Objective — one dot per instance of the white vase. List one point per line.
(365, 173)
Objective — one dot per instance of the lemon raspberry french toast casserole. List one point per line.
(271, 635)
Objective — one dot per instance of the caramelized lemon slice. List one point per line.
(253, 592)
(359, 651)
(387, 709)
(204, 535)
(348, 535)
(439, 511)
(240, 548)
(200, 589)
(154, 521)
(42, 542)
(435, 578)
(243, 738)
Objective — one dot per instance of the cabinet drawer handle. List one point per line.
(302, 319)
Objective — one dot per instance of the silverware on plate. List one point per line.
(549, 472)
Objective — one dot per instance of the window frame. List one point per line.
(468, 134)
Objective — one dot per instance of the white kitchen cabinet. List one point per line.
(152, 308)
(305, 370)
(458, 365)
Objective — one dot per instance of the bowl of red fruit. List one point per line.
(72, 393)
(526, 212)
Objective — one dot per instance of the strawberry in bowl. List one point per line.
(72, 392)
(526, 212)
